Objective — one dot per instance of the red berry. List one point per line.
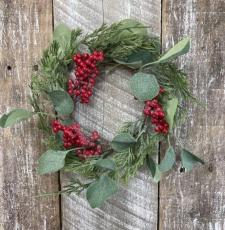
(161, 90)
(154, 110)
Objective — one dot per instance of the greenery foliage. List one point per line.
(125, 43)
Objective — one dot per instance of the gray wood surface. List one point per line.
(195, 200)
(189, 201)
(25, 29)
(134, 207)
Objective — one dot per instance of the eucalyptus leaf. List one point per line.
(122, 142)
(142, 55)
(189, 160)
(62, 102)
(99, 191)
(136, 59)
(144, 86)
(131, 27)
(171, 108)
(3, 120)
(15, 116)
(168, 161)
(106, 164)
(154, 169)
(62, 34)
(179, 49)
(52, 161)
(68, 121)
(132, 65)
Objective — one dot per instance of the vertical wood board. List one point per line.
(25, 29)
(135, 206)
(195, 200)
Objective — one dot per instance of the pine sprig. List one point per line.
(172, 79)
(130, 161)
(75, 186)
(116, 45)
(84, 168)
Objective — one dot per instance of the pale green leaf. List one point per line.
(3, 120)
(51, 161)
(189, 160)
(122, 141)
(68, 121)
(171, 108)
(99, 191)
(132, 65)
(14, 117)
(131, 27)
(179, 49)
(144, 86)
(62, 102)
(62, 34)
(136, 59)
(168, 161)
(106, 164)
(154, 169)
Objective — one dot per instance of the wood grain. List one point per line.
(135, 206)
(195, 200)
(25, 29)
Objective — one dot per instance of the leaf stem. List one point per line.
(139, 135)
(146, 65)
(168, 139)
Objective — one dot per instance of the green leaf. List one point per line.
(142, 55)
(189, 160)
(144, 86)
(171, 108)
(122, 141)
(179, 49)
(131, 27)
(62, 34)
(168, 161)
(52, 161)
(136, 59)
(3, 120)
(14, 117)
(68, 121)
(106, 164)
(132, 65)
(62, 102)
(154, 169)
(99, 191)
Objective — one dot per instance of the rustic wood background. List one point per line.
(189, 201)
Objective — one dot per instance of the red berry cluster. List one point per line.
(154, 110)
(86, 71)
(73, 137)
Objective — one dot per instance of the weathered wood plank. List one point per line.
(135, 206)
(195, 200)
(25, 29)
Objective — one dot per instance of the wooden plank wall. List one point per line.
(135, 206)
(195, 200)
(189, 201)
(25, 29)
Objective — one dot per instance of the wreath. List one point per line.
(67, 76)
